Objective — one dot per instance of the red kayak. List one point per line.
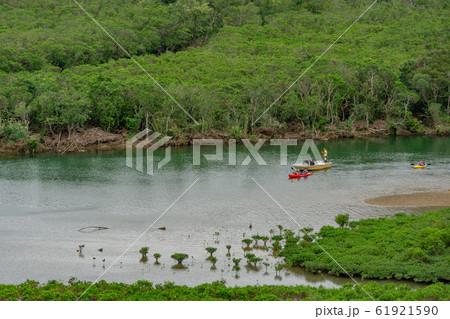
(299, 175)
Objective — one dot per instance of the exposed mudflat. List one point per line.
(426, 199)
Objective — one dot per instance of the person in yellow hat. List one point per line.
(325, 154)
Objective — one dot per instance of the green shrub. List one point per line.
(417, 253)
(342, 219)
(237, 132)
(404, 246)
(413, 124)
(13, 131)
(143, 290)
(33, 144)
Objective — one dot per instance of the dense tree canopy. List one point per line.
(225, 62)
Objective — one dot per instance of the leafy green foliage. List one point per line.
(247, 241)
(276, 245)
(265, 239)
(144, 251)
(251, 258)
(256, 238)
(32, 143)
(211, 250)
(179, 257)
(157, 256)
(225, 62)
(342, 219)
(409, 247)
(12, 130)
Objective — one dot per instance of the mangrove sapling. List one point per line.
(157, 256)
(278, 268)
(179, 257)
(247, 241)
(249, 257)
(280, 228)
(255, 260)
(144, 251)
(277, 237)
(80, 249)
(237, 268)
(256, 238)
(276, 245)
(104, 262)
(228, 248)
(266, 264)
(211, 251)
(342, 219)
(236, 262)
(217, 236)
(213, 260)
(307, 230)
(93, 260)
(265, 239)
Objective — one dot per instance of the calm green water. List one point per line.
(45, 199)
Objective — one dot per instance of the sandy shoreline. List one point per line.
(428, 199)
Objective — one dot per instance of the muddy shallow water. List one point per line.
(46, 199)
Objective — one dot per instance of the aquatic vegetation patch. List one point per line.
(144, 290)
(401, 247)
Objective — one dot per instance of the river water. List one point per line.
(46, 199)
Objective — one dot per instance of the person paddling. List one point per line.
(422, 163)
(325, 154)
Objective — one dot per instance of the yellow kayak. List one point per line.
(419, 166)
(315, 167)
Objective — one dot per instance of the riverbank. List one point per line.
(144, 290)
(96, 139)
(422, 199)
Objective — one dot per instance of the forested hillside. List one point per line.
(225, 62)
